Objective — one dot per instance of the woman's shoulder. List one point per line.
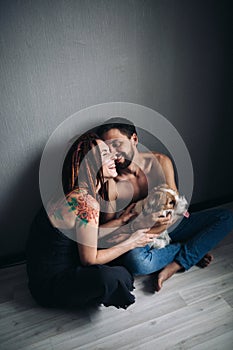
(81, 196)
(78, 204)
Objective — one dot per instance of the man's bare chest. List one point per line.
(135, 186)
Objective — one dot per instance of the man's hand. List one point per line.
(154, 220)
(127, 214)
(161, 225)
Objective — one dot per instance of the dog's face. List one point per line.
(159, 200)
(165, 200)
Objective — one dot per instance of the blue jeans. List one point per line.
(191, 240)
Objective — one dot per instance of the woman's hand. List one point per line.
(140, 238)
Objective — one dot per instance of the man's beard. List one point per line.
(127, 161)
(124, 165)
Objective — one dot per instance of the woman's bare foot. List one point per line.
(166, 273)
(205, 261)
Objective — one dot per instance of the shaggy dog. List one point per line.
(166, 201)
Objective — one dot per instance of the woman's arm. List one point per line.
(90, 255)
(81, 211)
(87, 236)
(87, 242)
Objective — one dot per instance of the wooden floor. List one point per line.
(192, 311)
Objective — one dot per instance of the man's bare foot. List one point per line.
(166, 273)
(205, 261)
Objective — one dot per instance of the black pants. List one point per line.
(57, 278)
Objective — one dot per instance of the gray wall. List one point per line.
(59, 56)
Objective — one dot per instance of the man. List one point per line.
(137, 174)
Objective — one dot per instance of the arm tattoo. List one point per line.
(86, 210)
(83, 205)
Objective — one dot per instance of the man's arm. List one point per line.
(113, 224)
(167, 168)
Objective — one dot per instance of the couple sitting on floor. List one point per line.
(102, 175)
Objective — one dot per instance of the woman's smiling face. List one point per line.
(108, 160)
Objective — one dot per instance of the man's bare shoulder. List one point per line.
(162, 158)
(168, 169)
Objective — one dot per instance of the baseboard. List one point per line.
(12, 260)
(20, 258)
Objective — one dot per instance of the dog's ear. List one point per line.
(181, 205)
(155, 201)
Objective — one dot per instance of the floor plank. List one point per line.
(194, 310)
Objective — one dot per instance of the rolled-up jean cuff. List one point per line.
(182, 263)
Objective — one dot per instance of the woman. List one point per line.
(73, 272)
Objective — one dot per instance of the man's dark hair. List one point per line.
(125, 126)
